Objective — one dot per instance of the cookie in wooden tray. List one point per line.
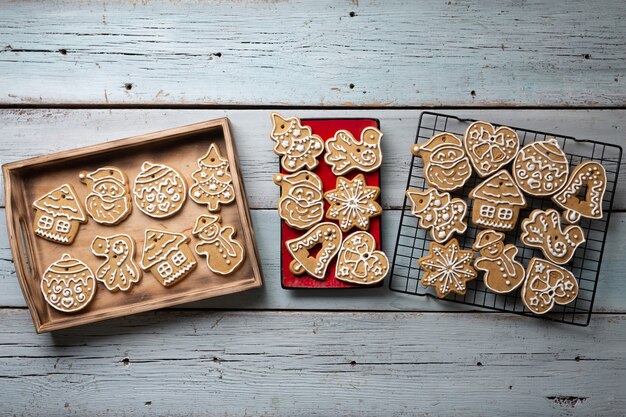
(58, 215)
(213, 184)
(109, 200)
(68, 284)
(224, 253)
(167, 256)
(159, 190)
(119, 272)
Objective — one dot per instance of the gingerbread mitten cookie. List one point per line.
(503, 273)
(58, 215)
(167, 256)
(300, 204)
(547, 284)
(541, 168)
(119, 271)
(592, 176)
(297, 146)
(344, 153)
(109, 201)
(328, 236)
(447, 268)
(438, 212)
(359, 262)
(497, 202)
(213, 184)
(68, 284)
(353, 203)
(224, 253)
(159, 190)
(446, 166)
(488, 148)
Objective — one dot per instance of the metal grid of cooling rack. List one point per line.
(413, 242)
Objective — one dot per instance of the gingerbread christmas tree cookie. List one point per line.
(589, 175)
(167, 256)
(438, 212)
(353, 203)
(58, 215)
(159, 190)
(359, 262)
(488, 148)
(119, 271)
(446, 166)
(297, 146)
(300, 204)
(109, 201)
(213, 182)
(503, 273)
(497, 202)
(224, 253)
(447, 268)
(68, 284)
(344, 153)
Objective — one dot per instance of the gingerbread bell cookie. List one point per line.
(297, 146)
(488, 148)
(328, 236)
(503, 273)
(224, 253)
(542, 229)
(359, 262)
(353, 203)
(344, 153)
(58, 215)
(108, 201)
(447, 268)
(159, 190)
(167, 256)
(592, 176)
(547, 284)
(446, 166)
(438, 212)
(119, 271)
(541, 168)
(68, 284)
(300, 204)
(497, 202)
(212, 180)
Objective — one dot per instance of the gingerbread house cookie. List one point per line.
(167, 256)
(224, 253)
(438, 212)
(344, 153)
(353, 203)
(159, 190)
(58, 215)
(497, 202)
(592, 176)
(119, 271)
(328, 237)
(359, 262)
(541, 168)
(447, 268)
(109, 201)
(488, 148)
(503, 273)
(213, 184)
(68, 284)
(446, 166)
(300, 204)
(297, 146)
(547, 284)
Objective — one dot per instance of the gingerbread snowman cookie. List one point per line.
(344, 153)
(488, 148)
(213, 184)
(353, 203)
(167, 256)
(497, 202)
(503, 273)
(592, 176)
(159, 190)
(438, 212)
(547, 284)
(224, 253)
(68, 284)
(119, 271)
(300, 204)
(541, 168)
(109, 201)
(447, 268)
(359, 262)
(328, 236)
(297, 146)
(446, 166)
(58, 215)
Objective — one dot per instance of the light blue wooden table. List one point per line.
(74, 73)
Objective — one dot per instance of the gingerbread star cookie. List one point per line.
(297, 146)
(224, 253)
(328, 236)
(447, 268)
(488, 148)
(213, 184)
(592, 176)
(300, 204)
(359, 262)
(438, 212)
(353, 203)
(58, 215)
(503, 273)
(547, 284)
(446, 166)
(109, 201)
(159, 190)
(344, 153)
(68, 284)
(541, 168)
(119, 271)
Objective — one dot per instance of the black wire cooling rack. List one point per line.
(413, 242)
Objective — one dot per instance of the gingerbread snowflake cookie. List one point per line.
(224, 253)
(488, 148)
(68, 284)
(359, 262)
(344, 153)
(58, 215)
(592, 176)
(438, 212)
(541, 168)
(300, 204)
(497, 202)
(119, 271)
(159, 190)
(109, 201)
(447, 268)
(328, 237)
(297, 146)
(167, 256)
(212, 180)
(547, 284)
(353, 203)
(446, 166)
(503, 273)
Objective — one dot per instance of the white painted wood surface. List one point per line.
(354, 53)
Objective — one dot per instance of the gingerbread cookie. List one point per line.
(497, 202)
(353, 203)
(541, 168)
(438, 212)
(488, 148)
(68, 284)
(213, 184)
(160, 190)
(300, 204)
(547, 284)
(167, 256)
(542, 229)
(592, 176)
(328, 236)
(58, 215)
(119, 271)
(109, 201)
(224, 253)
(359, 262)
(503, 273)
(344, 153)
(447, 268)
(297, 146)
(446, 166)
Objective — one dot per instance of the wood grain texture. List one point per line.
(354, 53)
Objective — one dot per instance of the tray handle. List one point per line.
(23, 256)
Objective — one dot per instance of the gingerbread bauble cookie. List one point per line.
(446, 166)
(68, 284)
(109, 201)
(488, 148)
(541, 168)
(159, 190)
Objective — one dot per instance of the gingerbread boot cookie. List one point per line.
(224, 253)
(503, 273)
(119, 272)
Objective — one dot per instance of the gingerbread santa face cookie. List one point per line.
(167, 256)
(297, 146)
(326, 235)
(159, 190)
(488, 148)
(497, 202)
(212, 180)
(119, 271)
(589, 174)
(353, 203)
(68, 284)
(541, 168)
(300, 204)
(446, 166)
(109, 201)
(542, 229)
(503, 273)
(58, 215)
(344, 153)
(547, 284)
(447, 268)
(359, 262)
(224, 253)
(438, 212)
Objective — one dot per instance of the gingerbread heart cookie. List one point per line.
(344, 153)
(447, 268)
(224, 253)
(213, 184)
(58, 215)
(300, 204)
(353, 203)
(328, 236)
(109, 201)
(488, 148)
(503, 273)
(119, 271)
(167, 256)
(359, 262)
(297, 146)
(547, 284)
(592, 176)
(497, 202)
(159, 190)
(541, 168)
(446, 166)
(439, 212)
(68, 284)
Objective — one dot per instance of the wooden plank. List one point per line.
(314, 364)
(367, 53)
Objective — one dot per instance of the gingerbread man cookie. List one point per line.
(446, 166)
(68, 284)
(344, 153)
(297, 146)
(160, 190)
(109, 201)
(328, 236)
(503, 273)
(167, 256)
(497, 202)
(541, 168)
(353, 203)
(359, 262)
(300, 204)
(119, 271)
(488, 148)
(224, 253)
(547, 284)
(447, 268)
(58, 215)
(589, 174)
(438, 212)
(213, 184)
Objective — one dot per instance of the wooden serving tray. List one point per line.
(179, 148)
